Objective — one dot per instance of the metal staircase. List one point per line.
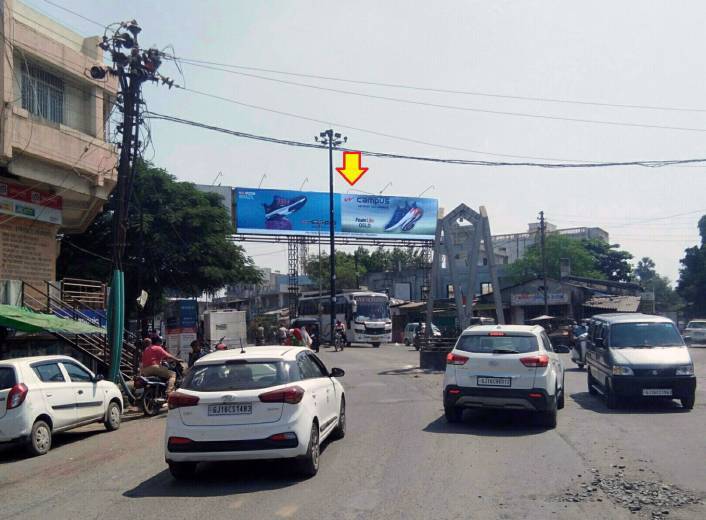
(96, 346)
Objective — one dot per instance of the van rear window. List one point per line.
(7, 378)
(510, 344)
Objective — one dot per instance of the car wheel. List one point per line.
(112, 417)
(688, 402)
(340, 431)
(182, 470)
(40, 439)
(561, 401)
(376, 345)
(548, 418)
(591, 382)
(309, 464)
(407, 343)
(453, 414)
(611, 400)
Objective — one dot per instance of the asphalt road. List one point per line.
(399, 460)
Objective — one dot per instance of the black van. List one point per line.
(638, 355)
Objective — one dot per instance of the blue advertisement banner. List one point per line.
(288, 212)
(381, 216)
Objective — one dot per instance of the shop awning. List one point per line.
(614, 303)
(26, 320)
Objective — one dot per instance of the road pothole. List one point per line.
(650, 498)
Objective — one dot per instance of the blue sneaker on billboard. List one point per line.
(282, 207)
(405, 217)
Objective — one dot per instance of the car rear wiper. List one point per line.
(504, 351)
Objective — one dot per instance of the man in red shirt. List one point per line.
(152, 358)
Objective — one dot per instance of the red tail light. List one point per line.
(535, 361)
(177, 400)
(179, 441)
(16, 396)
(455, 359)
(496, 333)
(289, 395)
(279, 437)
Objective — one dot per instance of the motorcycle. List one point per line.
(151, 391)
(578, 350)
(339, 340)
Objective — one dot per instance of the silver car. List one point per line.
(695, 331)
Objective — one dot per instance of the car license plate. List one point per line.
(656, 391)
(230, 409)
(493, 381)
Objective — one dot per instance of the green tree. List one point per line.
(666, 298)
(692, 275)
(177, 240)
(609, 260)
(317, 268)
(583, 263)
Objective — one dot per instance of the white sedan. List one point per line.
(44, 395)
(262, 403)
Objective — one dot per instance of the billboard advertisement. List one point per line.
(287, 212)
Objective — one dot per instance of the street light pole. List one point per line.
(542, 236)
(331, 139)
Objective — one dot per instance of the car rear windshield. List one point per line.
(511, 343)
(235, 376)
(696, 325)
(624, 335)
(7, 378)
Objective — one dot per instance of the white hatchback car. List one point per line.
(43, 395)
(263, 403)
(511, 367)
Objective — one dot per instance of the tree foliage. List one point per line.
(350, 267)
(610, 261)
(177, 240)
(583, 263)
(692, 275)
(666, 298)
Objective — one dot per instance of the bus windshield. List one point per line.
(372, 309)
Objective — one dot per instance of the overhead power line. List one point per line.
(456, 107)
(442, 90)
(384, 155)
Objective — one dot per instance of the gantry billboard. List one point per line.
(287, 212)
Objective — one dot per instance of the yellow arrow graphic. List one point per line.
(351, 171)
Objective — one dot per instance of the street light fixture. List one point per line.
(331, 139)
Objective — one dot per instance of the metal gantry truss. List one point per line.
(293, 245)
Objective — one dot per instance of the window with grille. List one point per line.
(42, 93)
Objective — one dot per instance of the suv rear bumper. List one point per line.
(499, 398)
(632, 386)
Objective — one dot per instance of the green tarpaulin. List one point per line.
(26, 320)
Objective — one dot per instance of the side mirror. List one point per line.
(337, 372)
(98, 377)
(687, 339)
(562, 349)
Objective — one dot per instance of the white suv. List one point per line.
(263, 403)
(43, 395)
(511, 367)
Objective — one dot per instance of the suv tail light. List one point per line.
(455, 359)
(16, 396)
(177, 400)
(541, 360)
(289, 395)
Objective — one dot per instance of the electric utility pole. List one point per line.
(331, 139)
(542, 236)
(132, 66)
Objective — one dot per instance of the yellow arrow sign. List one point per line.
(351, 171)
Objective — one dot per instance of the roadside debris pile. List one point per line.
(655, 498)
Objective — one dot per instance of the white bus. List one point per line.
(366, 315)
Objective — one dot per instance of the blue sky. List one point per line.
(632, 52)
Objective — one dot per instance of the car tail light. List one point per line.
(455, 391)
(177, 400)
(455, 359)
(496, 333)
(535, 361)
(535, 395)
(289, 395)
(279, 437)
(16, 396)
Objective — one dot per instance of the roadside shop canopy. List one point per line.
(26, 320)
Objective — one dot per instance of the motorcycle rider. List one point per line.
(340, 329)
(152, 358)
(195, 353)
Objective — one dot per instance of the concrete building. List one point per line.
(57, 167)
(514, 245)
